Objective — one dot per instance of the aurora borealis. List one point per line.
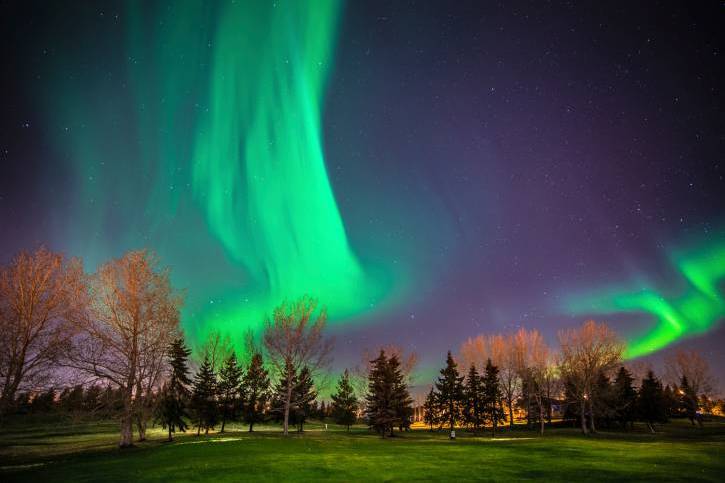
(428, 171)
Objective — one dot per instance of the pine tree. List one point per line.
(380, 410)
(344, 402)
(603, 405)
(625, 397)
(203, 399)
(229, 388)
(171, 409)
(650, 401)
(430, 409)
(450, 392)
(303, 397)
(473, 392)
(402, 402)
(492, 409)
(255, 391)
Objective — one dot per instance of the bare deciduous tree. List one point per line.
(694, 367)
(585, 353)
(134, 316)
(293, 338)
(42, 297)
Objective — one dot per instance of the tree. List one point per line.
(229, 389)
(134, 315)
(431, 415)
(650, 401)
(255, 390)
(344, 402)
(203, 397)
(625, 397)
(449, 387)
(492, 410)
(43, 299)
(585, 353)
(694, 367)
(688, 401)
(603, 403)
(473, 394)
(534, 365)
(388, 402)
(171, 409)
(293, 339)
(303, 398)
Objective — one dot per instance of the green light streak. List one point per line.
(201, 138)
(693, 313)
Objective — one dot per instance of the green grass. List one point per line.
(86, 452)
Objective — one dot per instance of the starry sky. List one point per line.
(429, 170)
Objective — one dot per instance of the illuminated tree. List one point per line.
(344, 402)
(585, 353)
(43, 299)
(688, 400)
(134, 316)
(293, 339)
(449, 387)
(694, 367)
(229, 389)
(255, 391)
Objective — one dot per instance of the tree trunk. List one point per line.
(651, 427)
(584, 416)
(541, 418)
(251, 426)
(591, 416)
(198, 429)
(286, 408)
(224, 420)
(126, 431)
(511, 413)
(170, 438)
(141, 427)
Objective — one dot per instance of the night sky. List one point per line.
(429, 170)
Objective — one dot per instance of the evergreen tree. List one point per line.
(255, 391)
(603, 404)
(229, 389)
(303, 397)
(286, 384)
(650, 401)
(203, 398)
(450, 392)
(625, 397)
(492, 408)
(402, 402)
(171, 409)
(473, 392)
(430, 408)
(344, 402)
(688, 400)
(388, 402)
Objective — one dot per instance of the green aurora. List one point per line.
(691, 313)
(231, 160)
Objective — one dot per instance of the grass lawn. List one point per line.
(86, 452)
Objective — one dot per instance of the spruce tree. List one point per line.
(171, 410)
(625, 397)
(473, 393)
(402, 402)
(303, 398)
(255, 391)
(492, 409)
(203, 398)
(344, 402)
(650, 401)
(603, 405)
(430, 409)
(228, 389)
(380, 411)
(450, 392)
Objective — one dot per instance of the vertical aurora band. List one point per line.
(698, 309)
(216, 112)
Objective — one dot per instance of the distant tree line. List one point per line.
(117, 332)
